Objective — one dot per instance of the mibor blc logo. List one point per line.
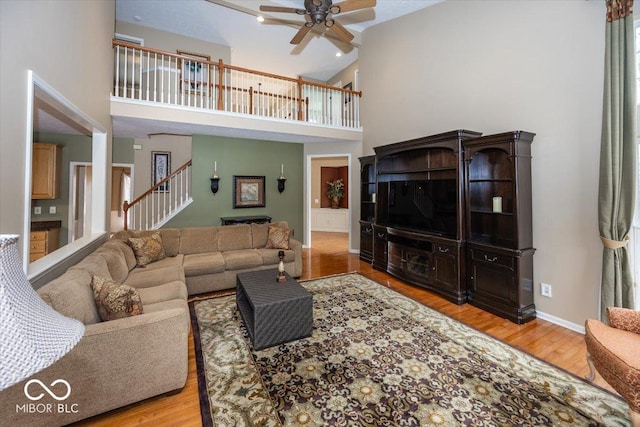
(36, 390)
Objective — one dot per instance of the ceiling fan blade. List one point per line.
(351, 5)
(300, 34)
(341, 31)
(282, 9)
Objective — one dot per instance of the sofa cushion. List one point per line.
(115, 259)
(71, 295)
(197, 240)
(168, 305)
(199, 264)
(259, 235)
(147, 249)
(95, 264)
(234, 237)
(270, 256)
(161, 293)
(174, 262)
(114, 300)
(148, 277)
(126, 250)
(170, 238)
(278, 237)
(247, 258)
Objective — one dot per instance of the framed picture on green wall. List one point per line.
(248, 192)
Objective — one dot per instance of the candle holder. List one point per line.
(281, 182)
(215, 180)
(281, 277)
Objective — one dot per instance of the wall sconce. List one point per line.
(215, 179)
(282, 179)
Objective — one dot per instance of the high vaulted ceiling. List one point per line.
(263, 46)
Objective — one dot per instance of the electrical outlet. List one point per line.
(52, 209)
(37, 210)
(545, 290)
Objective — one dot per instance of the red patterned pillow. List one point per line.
(147, 249)
(624, 318)
(278, 237)
(115, 301)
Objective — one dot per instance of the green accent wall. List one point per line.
(244, 157)
(123, 150)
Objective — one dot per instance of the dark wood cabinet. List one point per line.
(498, 224)
(380, 247)
(366, 241)
(367, 206)
(452, 213)
(431, 258)
(430, 262)
(501, 281)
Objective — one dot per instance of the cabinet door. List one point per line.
(380, 248)
(417, 264)
(366, 242)
(491, 282)
(493, 278)
(396, 259)
(45, 161)
(445, 267)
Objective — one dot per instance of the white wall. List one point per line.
(68, 45)
(171, 42)
(495, 66)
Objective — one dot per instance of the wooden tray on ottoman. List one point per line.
(274, 313)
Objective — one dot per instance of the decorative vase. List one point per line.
(335, 202)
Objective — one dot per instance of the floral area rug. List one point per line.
(378, 358)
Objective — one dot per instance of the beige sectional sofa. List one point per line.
(118, 362)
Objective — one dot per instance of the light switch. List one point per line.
(316, 201)
(37, 210)
(52, 209)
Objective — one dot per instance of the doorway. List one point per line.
(319, 216)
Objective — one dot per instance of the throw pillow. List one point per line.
(278, 237)
(147, 249)
(115, 301)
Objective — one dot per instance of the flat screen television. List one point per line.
(428, 206)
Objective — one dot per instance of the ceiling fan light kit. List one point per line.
(321, 12)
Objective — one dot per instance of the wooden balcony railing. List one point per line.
(161, 202)
(152, 75)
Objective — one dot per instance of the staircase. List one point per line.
(156, 206)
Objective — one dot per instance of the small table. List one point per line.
(274, 313)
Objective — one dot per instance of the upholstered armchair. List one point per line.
(614, 351)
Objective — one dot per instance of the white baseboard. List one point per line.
(561, 322)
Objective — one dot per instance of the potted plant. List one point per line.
(336, 192)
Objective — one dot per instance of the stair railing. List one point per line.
(161, 202)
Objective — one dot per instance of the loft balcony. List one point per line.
(163, 92)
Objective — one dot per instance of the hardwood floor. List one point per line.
(329, 255)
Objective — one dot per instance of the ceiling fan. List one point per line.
(318, 12)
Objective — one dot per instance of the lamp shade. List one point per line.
(32, 335)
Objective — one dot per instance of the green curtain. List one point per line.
(618, 157)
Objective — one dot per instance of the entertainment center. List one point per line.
(452, 213)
